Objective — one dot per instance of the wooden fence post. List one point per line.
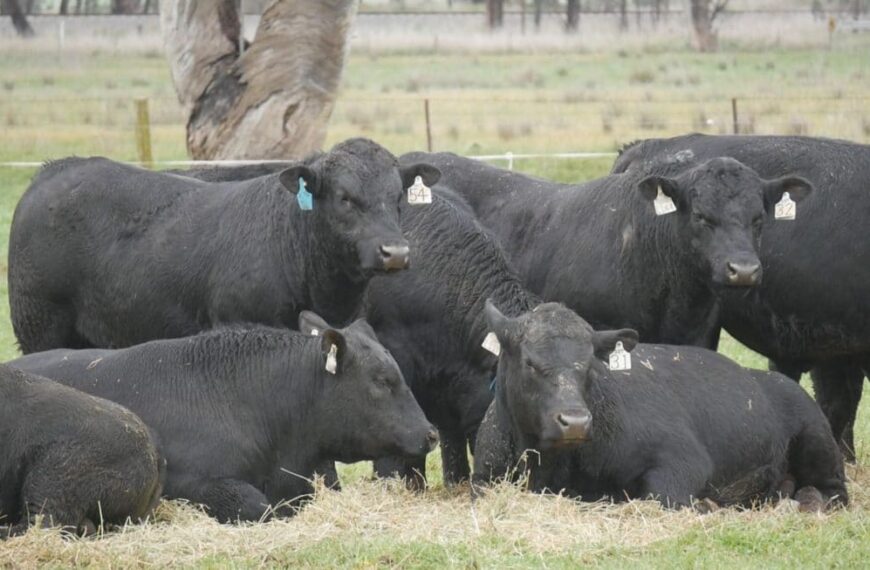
(735, 122)
(428, 126)
(143, 133)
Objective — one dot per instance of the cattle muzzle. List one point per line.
(574, 427)
(743, 274)
(395, 256)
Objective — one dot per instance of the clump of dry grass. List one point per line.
(181, 535)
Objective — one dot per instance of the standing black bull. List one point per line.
(107, 255)
(246, 416)
(431, 319)
(601, 249)
(680, 424)
(812, 310)
(75, 459)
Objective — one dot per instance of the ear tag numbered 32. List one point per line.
(491, 343)
(620, 359)
(332, 359)
(304, 197)
(419, 193)
(785, 209)
(663, 203)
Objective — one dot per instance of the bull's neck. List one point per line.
(326, 285)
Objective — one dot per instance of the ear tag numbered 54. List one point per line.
(419, 193)
(620, 359)
(491, 343)
(663, 203)
(332, 359)
(785, 209)
(304, 197)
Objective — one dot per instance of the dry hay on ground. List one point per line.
(181, 535)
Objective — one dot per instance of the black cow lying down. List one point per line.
(77, 460)
(108, 255)
(682, 424)
(245, 416)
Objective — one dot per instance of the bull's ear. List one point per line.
(506, 329)
(798, 188)
(312, 323)
(649, 188)
(290, 179)
(364, 327)
(427, 172)
(603, 342)
(333, 349)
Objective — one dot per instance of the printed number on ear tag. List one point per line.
(491, 343)
(785, 209)
(620, 359)
(332, 359)
(304, 197)
(419, 193)
(663, 203)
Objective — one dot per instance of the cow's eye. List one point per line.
(702, 219)
(346, 202)
(530, 365)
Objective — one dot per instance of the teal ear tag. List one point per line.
(304, 197)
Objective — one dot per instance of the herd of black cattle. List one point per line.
(190, 325)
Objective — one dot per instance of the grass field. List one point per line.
(82, 104)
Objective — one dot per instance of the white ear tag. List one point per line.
(491, 343)
(419, 193)
(332, 359)
(663, 203)
(315, 332)
(785, 209)
(620, 359)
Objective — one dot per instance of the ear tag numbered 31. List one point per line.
(785, 209)
(491, 343)
(332, 359)
(304, 197)
(419, 193)
(620, 359)
(663, 203)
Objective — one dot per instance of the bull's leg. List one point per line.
(790, 368)
(228, 500)
(330, 475)
(815, 463)
(42, 325)
(838, 385)
(679, 477)
(454, 457)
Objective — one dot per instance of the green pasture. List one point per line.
(82, 103)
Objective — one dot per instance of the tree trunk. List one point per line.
(275, 100)
(64, 7)
(572, 22)
(702, 23)
(538, 10)
(495, 13)
(623, 15)
(19, 20)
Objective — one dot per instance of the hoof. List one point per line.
(810, 500)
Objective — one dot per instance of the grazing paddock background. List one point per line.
(82, 103)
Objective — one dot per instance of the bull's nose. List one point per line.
(743, 274)
(574, 426)
(431, 440)
(395, 256)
